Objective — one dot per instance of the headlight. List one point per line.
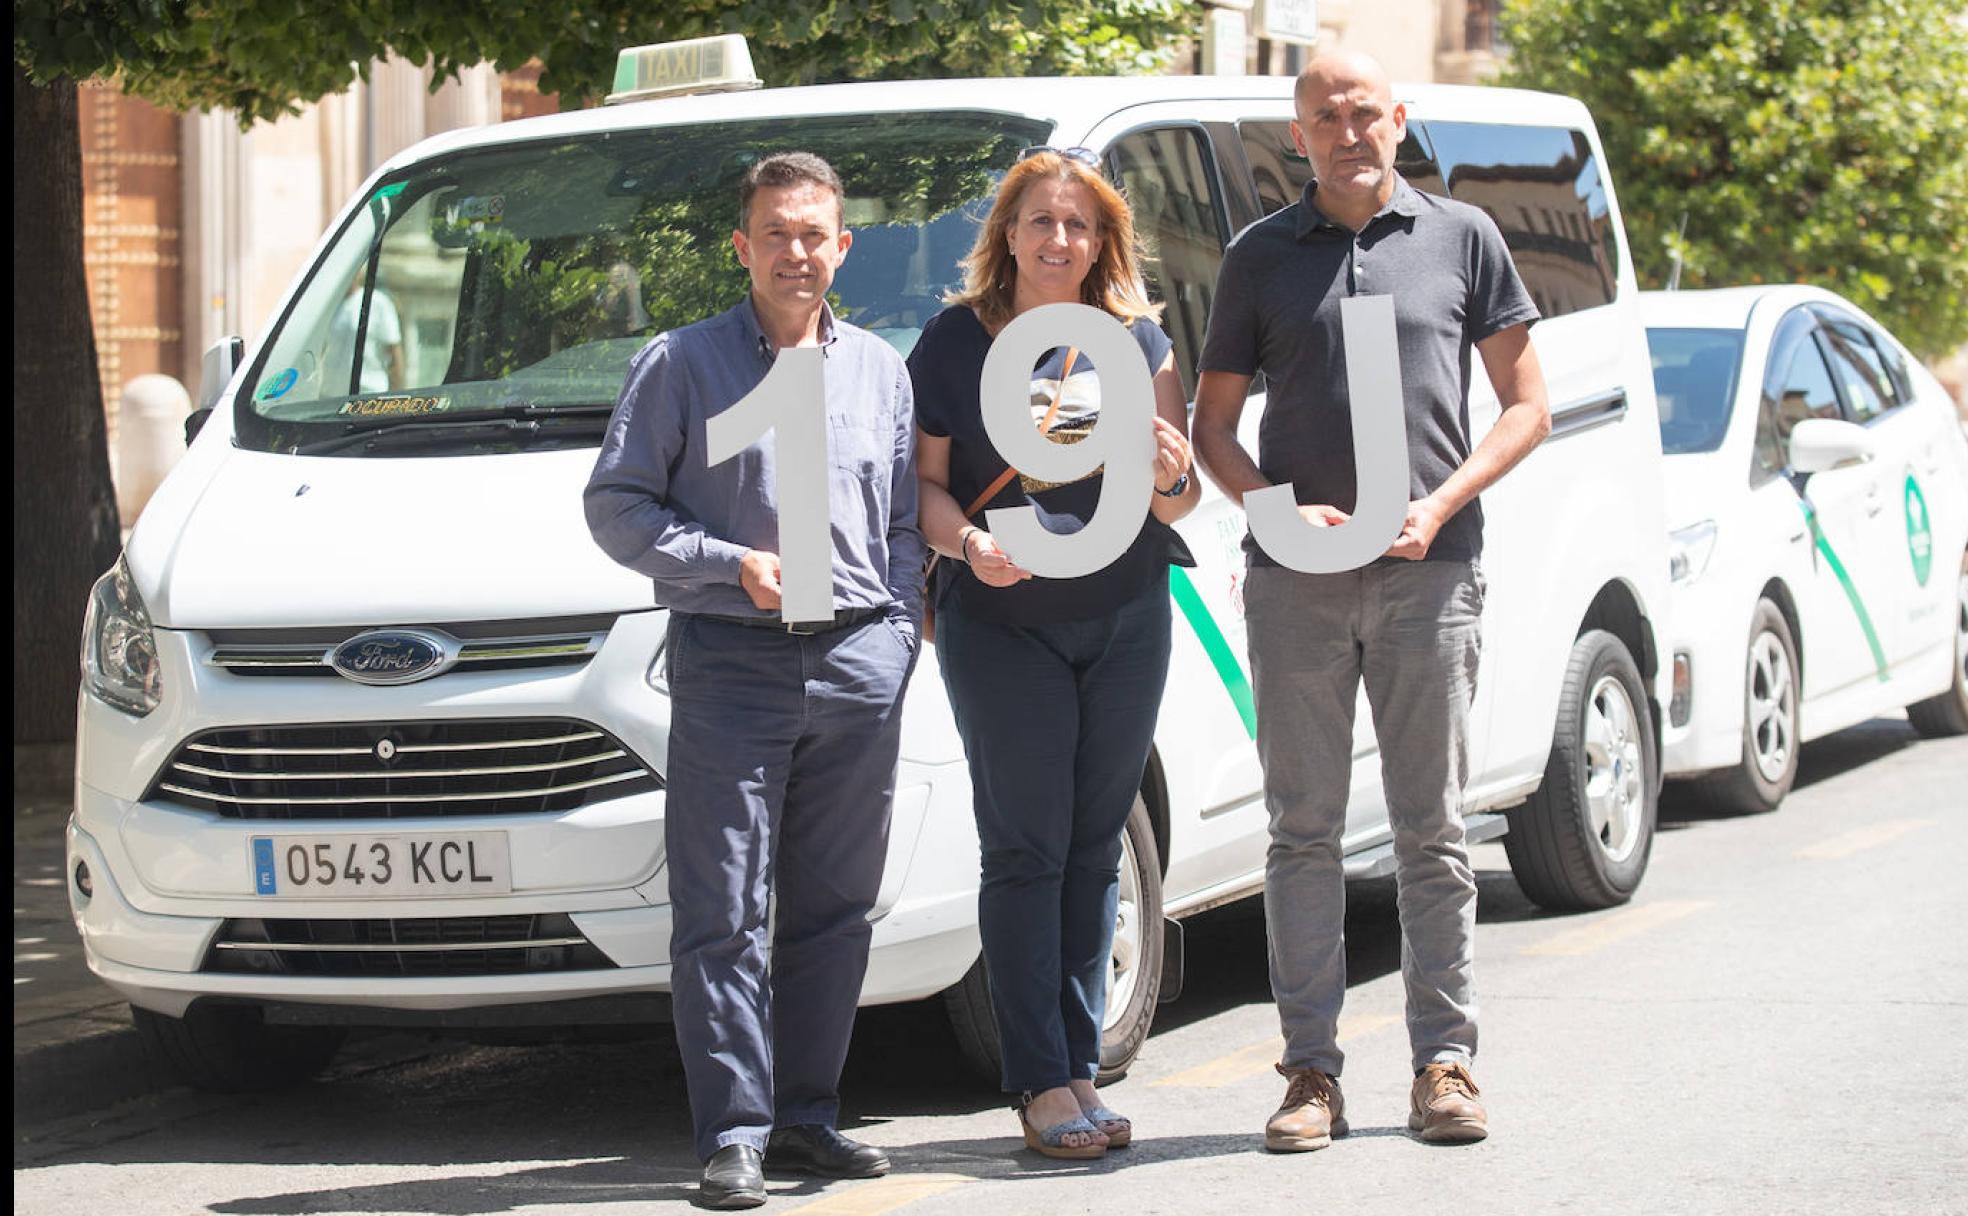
(119, 651)
(1688, 551)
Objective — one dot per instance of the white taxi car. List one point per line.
(1818, 491)
(372, 732)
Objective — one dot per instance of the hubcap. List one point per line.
(1123, 969)
(1615, 778)
(1771, 710)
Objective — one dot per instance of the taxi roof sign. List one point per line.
(719, 64)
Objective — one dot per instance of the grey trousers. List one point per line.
(1412, 632)
(782, 772)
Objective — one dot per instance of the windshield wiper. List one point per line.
(528, 421)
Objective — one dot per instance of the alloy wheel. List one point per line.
(1615, 778)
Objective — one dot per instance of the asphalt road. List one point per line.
(1774, 1025)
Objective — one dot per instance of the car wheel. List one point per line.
(1134, 970)
(1946, 715)
(1582, 840)
(231, 1048)
(1768, 765)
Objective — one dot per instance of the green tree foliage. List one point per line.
(1815, 141)
(263, 58)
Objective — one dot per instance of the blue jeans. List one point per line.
(1056, 720)
(782, 772)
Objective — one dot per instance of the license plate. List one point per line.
(372, 867)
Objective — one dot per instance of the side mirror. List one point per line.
(1818, 445)
(221, 360)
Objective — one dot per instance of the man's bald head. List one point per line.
(1342, 71)
(1349, 127)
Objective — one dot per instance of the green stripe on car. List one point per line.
(1845, 581)
(1216, 646)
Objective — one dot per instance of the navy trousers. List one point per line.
(1056, 720)
(782, 771)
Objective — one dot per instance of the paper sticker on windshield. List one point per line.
(276, 387)
(376, 407)
(479, 209)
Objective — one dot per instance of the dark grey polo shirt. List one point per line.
(656, 506)
(1277, 311)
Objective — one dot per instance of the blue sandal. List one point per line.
(1118, 1128)
(1051, 1142)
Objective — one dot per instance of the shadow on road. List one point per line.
(1820, 760)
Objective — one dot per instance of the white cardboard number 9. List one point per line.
(1121, 444)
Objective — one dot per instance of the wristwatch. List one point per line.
(1175, 491)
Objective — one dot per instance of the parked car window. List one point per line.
(1805, 390)
(1542, 187)
(1695, 382)
(1870, 388)
(1167, 177)
(1281, 173)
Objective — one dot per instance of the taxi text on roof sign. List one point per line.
(698, 65)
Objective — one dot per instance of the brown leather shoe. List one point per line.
(1312, 1114)
(1442, 1106)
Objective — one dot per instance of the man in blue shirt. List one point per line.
(784, 734)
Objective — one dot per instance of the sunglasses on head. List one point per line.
(1084, 156)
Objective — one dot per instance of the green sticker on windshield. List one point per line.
(391, 190)
(1920, 532)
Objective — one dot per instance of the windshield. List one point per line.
(516, 282)
(1695, 381)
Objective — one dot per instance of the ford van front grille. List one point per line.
(423, 946)
(470, 646)
(401, 770)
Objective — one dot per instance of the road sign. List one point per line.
(1287, 21)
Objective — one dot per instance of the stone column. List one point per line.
(215, 223)
(471, 100)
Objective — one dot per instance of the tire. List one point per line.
(230, 1049)
(1767, 767)
(1134, 974)
(1946, 715)
(1582, 841)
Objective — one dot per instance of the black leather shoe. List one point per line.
(814, 1148)
(732, 1179)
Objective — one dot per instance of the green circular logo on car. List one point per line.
(1920, 532)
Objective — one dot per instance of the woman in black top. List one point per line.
(1055, 683)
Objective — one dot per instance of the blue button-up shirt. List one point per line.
(657, 507)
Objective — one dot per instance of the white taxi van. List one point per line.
(1818, 488)
(373, 734)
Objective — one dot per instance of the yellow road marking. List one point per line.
(1258, 1058)
(1859, 839)
(883, 1195)
(1616, 927)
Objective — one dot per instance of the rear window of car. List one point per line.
(1695, 382)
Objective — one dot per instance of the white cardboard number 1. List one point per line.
(790, 404)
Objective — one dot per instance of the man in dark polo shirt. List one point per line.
(1407, 624)
(783, 735)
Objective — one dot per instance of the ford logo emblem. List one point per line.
(393, 656)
